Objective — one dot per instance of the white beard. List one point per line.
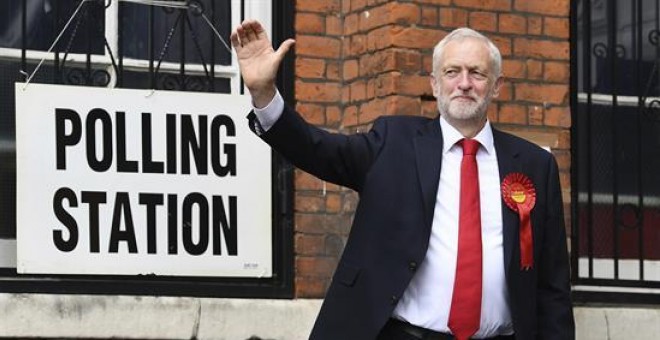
(463, 110)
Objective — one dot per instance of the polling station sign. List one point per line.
(128, 182)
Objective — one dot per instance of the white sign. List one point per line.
(127, 182)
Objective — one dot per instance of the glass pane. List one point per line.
(200, 43)
(44, 21)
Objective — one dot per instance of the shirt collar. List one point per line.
(451, 136)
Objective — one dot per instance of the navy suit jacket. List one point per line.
(395, 169)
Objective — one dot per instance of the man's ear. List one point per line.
(498, 84)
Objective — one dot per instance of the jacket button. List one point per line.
(394, 299)
(412, 266)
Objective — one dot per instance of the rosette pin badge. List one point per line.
(520, 196)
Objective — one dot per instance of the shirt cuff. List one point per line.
(269, 114)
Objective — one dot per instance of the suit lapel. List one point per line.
(428, 153)
(508, 162)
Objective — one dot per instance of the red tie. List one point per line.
(465, 310)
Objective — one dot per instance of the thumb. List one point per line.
(284, 48)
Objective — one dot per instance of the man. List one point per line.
(431, 190)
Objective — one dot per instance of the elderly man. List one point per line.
(459, 229)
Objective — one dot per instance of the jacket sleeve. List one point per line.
(333, 157)
(555, 312)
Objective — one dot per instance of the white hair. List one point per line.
(464, 33)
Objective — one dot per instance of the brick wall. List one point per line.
(359, 59)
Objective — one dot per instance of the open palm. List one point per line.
(257, 59)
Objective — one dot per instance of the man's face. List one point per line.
(464, 82)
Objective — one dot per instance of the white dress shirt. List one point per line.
(427, 300)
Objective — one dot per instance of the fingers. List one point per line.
(285, 47)
(234, 40)
(248, 31)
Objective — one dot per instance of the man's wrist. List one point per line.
(261, 98)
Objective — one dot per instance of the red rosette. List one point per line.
(519, 195)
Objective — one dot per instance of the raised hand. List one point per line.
(258, 60)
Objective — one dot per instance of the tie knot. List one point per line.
(470, 146)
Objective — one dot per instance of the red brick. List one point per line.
(512, 23)
(332, 116)
(310, 23)
(429, 16)
(534, 25)
(435, 2)
(351, 24)
(328, 6)
(305, 181)
(317, 92)
(376, 63)
(427, 63)
(308, 45)
(313, 114)
(315, 266)
(545, 7)
(397, 83)
(492, 112)
(503, 44)
(513, 68)
(334, 25)
(333, 203)
(350, 69)
(414, 85)
(311, 287)
(308, 203)
(498, 5)
(310, 68)
(350, 117)
(512, 114)
(556, 72)
(389, 13)
(534, 69)
(322, 223)
(332, 71)
(371, 87)
(357, 5)
(345, 6)
(429, 108)
(358, 91)
(506, 92)
(453, 17)
(538, 93)
(415, 37)
(563, 158)
(391, 105)
(564, 140)
(483, 21)
(407, 61)
(379, 38)
(309, 244)
(556, 27)
(357, 45)
(535, 115)
(544, 49)
(558, 116)
(565, 179)
(350, 201)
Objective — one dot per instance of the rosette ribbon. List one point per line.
(519, 195)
